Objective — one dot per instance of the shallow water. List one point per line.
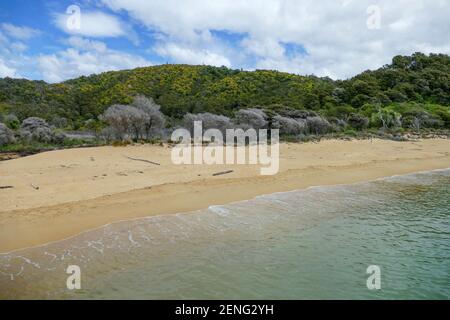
(307, 244)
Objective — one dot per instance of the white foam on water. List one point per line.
(130, 242)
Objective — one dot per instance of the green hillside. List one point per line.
(408, 83)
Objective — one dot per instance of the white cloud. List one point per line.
(192, 56)
(18, 46)
(85, 57)
(85, 44)
(333, 33)
(96, 24)
(19, 32)
(265, 48)
(11, 57)
(6, 71)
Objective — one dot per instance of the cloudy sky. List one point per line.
(59, 40)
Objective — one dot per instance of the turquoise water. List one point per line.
(307, 244)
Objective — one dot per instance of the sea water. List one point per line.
(306, 244)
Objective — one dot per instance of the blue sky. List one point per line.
(335, 38)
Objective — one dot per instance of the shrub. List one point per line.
(209, 121)
(12, 122)
(6, 135)
(386, 118)
(250, 118)
(58, 137)
(358, 121)
(59, 122)
(107, 134)
(337, 122)
(418, 119)
(318, 125)
(288, 126)
(36, 129)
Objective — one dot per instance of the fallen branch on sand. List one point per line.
(222, 172)
(143, 160)
(35, 187)
(6, 187)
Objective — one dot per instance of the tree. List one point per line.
(341, 112)
(311, 101)
(125, 120)
(401, 62)
(338, 94)
(359, 100)
(137, 121)
(396, 95)
(154, 122)
(418, 119)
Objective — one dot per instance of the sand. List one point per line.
(59, 194)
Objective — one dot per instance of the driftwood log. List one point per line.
(143, 160)
(222, 172)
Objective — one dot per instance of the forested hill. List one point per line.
(421, 80)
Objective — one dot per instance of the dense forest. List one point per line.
(412, 92)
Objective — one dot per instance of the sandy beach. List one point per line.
(56, 195)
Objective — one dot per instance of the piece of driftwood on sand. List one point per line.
(222, 172)
(143, 160)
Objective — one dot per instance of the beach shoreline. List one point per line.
(83, 189)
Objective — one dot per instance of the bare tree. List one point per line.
(416, 124)
(125, 120)
(154, 122)
(138, 119)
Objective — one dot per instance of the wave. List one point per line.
(125, 245)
